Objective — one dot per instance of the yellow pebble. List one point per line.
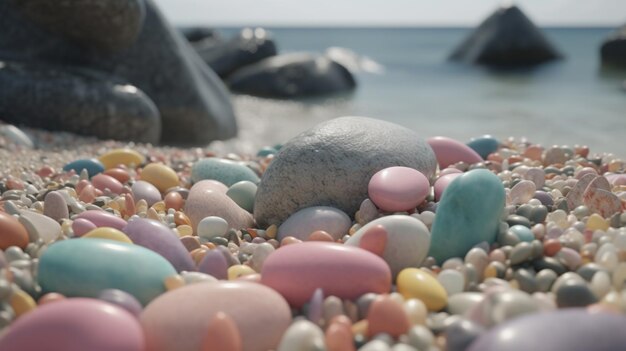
(160, 175)
(173, 282)
(596, 222)
(490, 272)
(159, 206)
(21, 303)
(271, 231)
(108, 233)
(238, 270)
(126, 157)
(114, 205)
(184, 230)
(152, 214)
(360, 327)
(416, 283)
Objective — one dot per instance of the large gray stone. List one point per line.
(613, 49)
(194, 105)
(225, 57)
(292, 76)
(506, 38)
(332, 163)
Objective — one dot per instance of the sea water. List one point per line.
(567, 102)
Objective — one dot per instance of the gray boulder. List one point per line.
(225, 57)
(332, 163)
(613, 49)
(193, 104)
(506, 38)
(292, 76)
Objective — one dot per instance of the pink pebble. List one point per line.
(449, 151)
(103, 181)
(75, 324)
(442, 183)
(82, 226)
(222, 335)
(103, 219)
(385, 315)
(87, 194)
(374, 240)
(449, 170)
(616, 179)
(398, 188)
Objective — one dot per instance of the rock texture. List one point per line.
(613, 49)
(292, 76)
(151, 58)
(332, 163)
(506, 38)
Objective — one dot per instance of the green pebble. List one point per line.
(222, 170)
(243, 193)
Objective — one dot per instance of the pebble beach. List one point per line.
(501, 247)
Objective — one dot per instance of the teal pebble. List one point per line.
(224, 171)
(92, 166)
(266, 151)
(85, 267)
(469, 213)
(522, 233)
(243, 193)
(484, 145)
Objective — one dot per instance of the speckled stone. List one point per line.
(55, 206)
(332, 163)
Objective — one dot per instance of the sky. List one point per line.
(387, 12)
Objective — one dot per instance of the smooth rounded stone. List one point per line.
(522, 192)
(259, 255)
(522, 233)
(348, 151)
(468, 214)
(601, 285)
(374, 240)
(16, 136)
(307, 220)
(387, 316)
(123, 156)
(92, 165)
(208, 198)
(545, 278)
(537, 176)
(243, 193)
(68, 267)
(588, 270)
(250, 305)
(534, 213)
(160, 175)
(420, 337)
(103, 219)
(462, 302)
(143, 190)
(521, 253)
(557, 331)
(554, 155)
(417, 283)
(461, 333)
(375, 345)
(274, 77)
(197, 277)
(121, 299)
(107, 233)
(484, 145)
(569, 258)
(442, 183)
(451, 280)
(302, 335)
(40, 226)
(222, 334)
(449, 151)
(295, 271)
(81, 226)
(526, 280)
(161, 239)
(545, 198)
(211, 227)
(397, 189)
(416, 310)
(513, 220)
(13, 232)
(103, 181)
(55, 206)
(574, 293)
(501, 304)
(73, 325)
(214, 263)
(222, 170)
(407, 242)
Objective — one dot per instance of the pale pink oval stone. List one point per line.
(398, 188)
(449, 151)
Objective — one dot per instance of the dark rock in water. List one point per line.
(196, 34)
(291, 76)
(249, 47)
(52, 97)
(506, 38)
(194, 105)
(332, 163)
(613, 49)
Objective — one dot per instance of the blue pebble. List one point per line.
(226, 171)
(523, 233)
(484, 145)
(92, 165)
(266, 151)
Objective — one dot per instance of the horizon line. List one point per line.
(385, 25)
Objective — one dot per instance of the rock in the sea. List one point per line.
(469, 213)
(332, 163)
(250, 46)
(506, 38)
(136, 63)
(562, 330)
(292, 76)
(613, 49)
